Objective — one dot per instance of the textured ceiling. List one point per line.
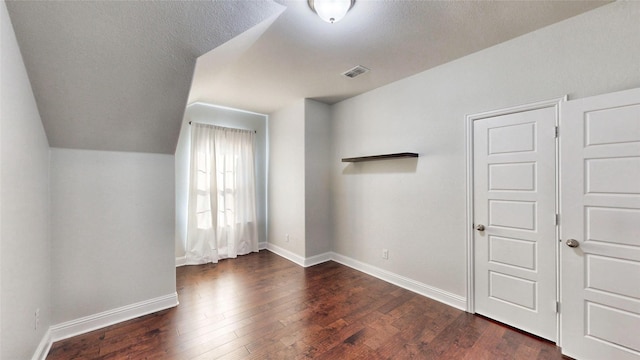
(116, 75)
(301, 56)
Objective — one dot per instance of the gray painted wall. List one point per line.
(317, 135)
(25, 261)
(113, 230)
(417, 209)
(299, 178)
(121, 247)
(287, 178)
(209, 114)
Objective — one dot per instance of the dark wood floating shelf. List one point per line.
(381, 157)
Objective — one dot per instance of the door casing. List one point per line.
(557, 103)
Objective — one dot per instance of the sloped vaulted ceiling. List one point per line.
(115, 75)
(301, 56)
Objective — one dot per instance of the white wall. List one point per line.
(317, 135)
(182, 189)
(287, 178)
(25, 261)
(300, 180)
(417, 209)
(112, 230)
(210, 114)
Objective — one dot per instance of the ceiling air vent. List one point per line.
(356, 71)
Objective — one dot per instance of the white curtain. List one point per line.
(222, 194)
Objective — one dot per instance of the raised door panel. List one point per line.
(600, 203)
(514, 197)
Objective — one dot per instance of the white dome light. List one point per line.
(331, 10)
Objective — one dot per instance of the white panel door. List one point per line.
(600, 204)
(514, 185)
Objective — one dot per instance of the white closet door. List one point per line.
(514, 175)
(600, 226)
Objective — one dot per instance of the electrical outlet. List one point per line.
(37, 319)
(385, 254)
(287, 237)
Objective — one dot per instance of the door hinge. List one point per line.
(557, 131)
(557, 306)
(557, 219)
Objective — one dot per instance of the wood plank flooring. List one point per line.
(261, 306)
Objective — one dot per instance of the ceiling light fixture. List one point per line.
(331, 10)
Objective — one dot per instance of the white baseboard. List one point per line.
(181, 261)
(304, 262)
(43, 348)
(317, 259)
(286, 254)
(93, 322)
(262, 245)
(457, 301)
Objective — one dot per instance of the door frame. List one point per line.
(469, 122)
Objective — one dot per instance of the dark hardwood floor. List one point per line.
(261, 306)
